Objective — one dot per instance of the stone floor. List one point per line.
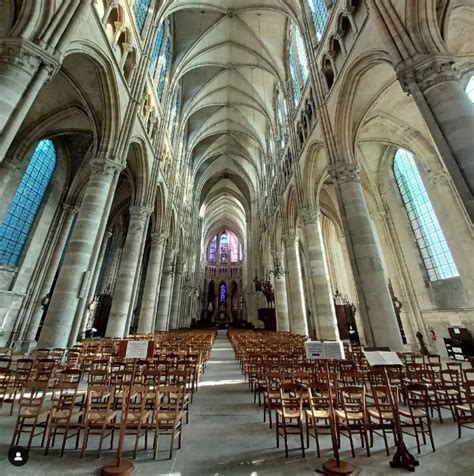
(226, 436)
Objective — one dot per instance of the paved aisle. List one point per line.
(226, 434)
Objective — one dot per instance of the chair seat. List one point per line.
(65, 413)
(285, 413)
(139, 416)
(350, 415)
(101, 416)
(381, 415)
(416, 412)
(317, 414)
(464, 408)
(274, 395)
(33, 413)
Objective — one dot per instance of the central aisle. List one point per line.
(225, 434)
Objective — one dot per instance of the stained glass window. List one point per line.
(319, 12)
(212, 250)
(164, 69)
(303, 59)
(222, 294)
(140, 11)
(24, 207)
(294, 76)
(224, 247)
(155, 54)
(281, 116)
(234, 248)
(470, 89)
(174, 115)
(434, 249)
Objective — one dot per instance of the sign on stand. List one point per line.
(136, 349)
(324, 350)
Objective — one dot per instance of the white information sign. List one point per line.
(327, 350)
(137, 349)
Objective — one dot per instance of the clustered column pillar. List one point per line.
(126, 279)
(69, 214)
(165, 291)
(176, 299)
(449, 115)
(281, 299)
(381, 325)
(325, 314)
(152, 283)
(298, 324)
(76, 265)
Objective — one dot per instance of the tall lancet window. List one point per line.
(319, 12)
(213, 250)
(140, 11)
(434, 249)
(26, 202)
(224, 247)
(223, 294)
(470, 89)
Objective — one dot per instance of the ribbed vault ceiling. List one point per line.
(228, 58)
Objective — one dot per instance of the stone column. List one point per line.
(165, 291)
(126, 278)
(68, 218)
(83, 315)
(325, 319)
(449, 116)
(75, 270)
(295, 301)
(25, 69)
(152, 283)
(281, 298)
(176, 299)
(380, 323)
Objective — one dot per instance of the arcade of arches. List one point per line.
(161, 161)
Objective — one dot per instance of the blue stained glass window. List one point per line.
(224, 247)
(302, 55)
(222, 294)
(155, 54)
(140, 11)
(24, 207)
(319, 12)
(434, 249)
(294, 76)
(213, 250)
(164, 69)
(470, 89)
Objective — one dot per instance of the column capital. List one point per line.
(309, 216)
(139, 213)
(158, 238)
(27, 56)
(103, 166)
(343, 172)
(426, 72)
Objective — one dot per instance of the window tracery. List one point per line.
(26, 202)
(429, 236)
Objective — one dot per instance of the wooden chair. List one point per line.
(289, 419)
(318, 417)
(99, 416)
(449, 393)
(32, 413)
(66, 415)
(138, 414)
(382, 416)
(352, 416)
(418, 413)
(170, 415)
(465, 412)
(271, 397)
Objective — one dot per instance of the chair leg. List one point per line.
(301, 436)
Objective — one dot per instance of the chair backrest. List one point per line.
(5, 362)
(172, 397)
(384, 401)
(318, 396)
(291, 396)
(70, 375)
(352, 398)
(99, 397)
(417, 397)
(451, 379)
(468, 375)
